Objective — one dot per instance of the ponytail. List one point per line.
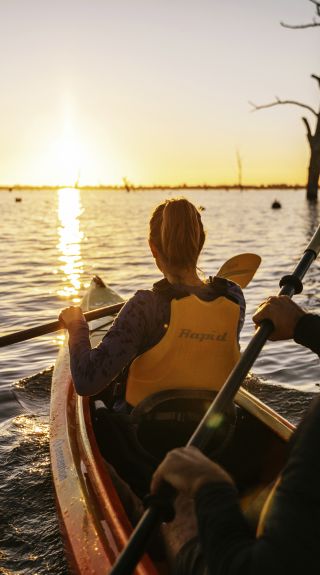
(177, 232)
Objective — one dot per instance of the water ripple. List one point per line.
(56, 241)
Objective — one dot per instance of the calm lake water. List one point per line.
(53, 242)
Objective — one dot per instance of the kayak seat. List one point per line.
(117, 440)
(134, 444)
(167, 419)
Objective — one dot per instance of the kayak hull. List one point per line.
(93, 522)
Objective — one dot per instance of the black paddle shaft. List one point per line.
(25, 334)
(153, 516)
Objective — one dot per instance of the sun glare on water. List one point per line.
(70, 237)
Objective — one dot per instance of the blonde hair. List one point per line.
(177, 232)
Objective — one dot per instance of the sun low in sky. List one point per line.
(154, 91)
(69, 152)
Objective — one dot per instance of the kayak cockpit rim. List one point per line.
(281, 426)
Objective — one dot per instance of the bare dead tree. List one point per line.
(315, 21)
(313, 139)
(239, 164)
(127, 185)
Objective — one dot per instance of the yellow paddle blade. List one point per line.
(240, 269)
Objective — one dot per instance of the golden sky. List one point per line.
(156, 91)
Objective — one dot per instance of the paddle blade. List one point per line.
(240, 269)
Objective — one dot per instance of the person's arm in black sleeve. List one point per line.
(290, 539)
(225, 536)
(307, 332)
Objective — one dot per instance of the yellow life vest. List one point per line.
(198, 350)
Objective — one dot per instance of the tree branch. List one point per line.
(312, 24)
(279, 102)
(317, 5)
(316, 78)
(309, 134)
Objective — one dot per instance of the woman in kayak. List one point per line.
(183, 333)
(161, 334)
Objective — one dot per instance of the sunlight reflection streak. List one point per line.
(69, 210)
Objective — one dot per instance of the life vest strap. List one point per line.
(219, 286)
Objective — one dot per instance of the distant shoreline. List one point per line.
(133, 188)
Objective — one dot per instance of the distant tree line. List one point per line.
(136, 188)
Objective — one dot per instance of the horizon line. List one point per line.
(133, 187)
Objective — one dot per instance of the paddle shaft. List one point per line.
(53, 326)
(290, 284)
